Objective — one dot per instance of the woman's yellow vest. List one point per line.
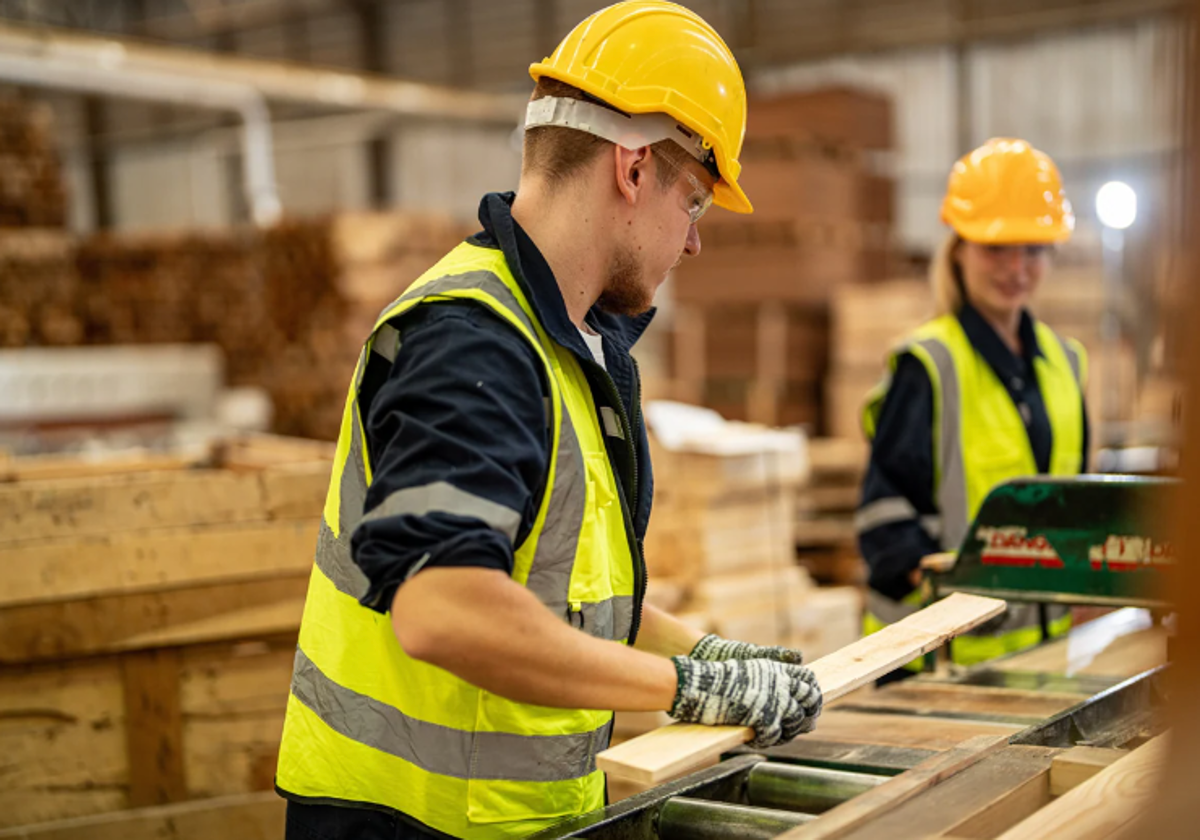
(979, 441)
(367, 724)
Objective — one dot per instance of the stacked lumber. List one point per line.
(32, 190)
(824, 526)
(39, 289)
(866, 322)
(148, 621)
(823, 218)
(720, 541)
(290, 306)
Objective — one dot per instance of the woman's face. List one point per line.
(1000, 279)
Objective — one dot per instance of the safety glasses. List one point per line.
(699, 199)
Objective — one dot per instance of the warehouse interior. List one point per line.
(206, 204)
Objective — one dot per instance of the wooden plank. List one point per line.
(153, 727)
(34, 511)
(226, 611)
(1119, 644)
(672, 749)
(62, 742)
(1104, 804)
(980, 802)
(931, 733)
(42, 467)
(63, 570)
(845, 818)
(1078, 764)
(256, 816)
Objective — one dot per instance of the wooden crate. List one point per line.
(148, 622)
(852, 117)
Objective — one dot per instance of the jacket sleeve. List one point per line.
(457, 436)
(898, 488)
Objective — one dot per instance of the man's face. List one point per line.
(660, 234)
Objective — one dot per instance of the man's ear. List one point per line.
(631, 170)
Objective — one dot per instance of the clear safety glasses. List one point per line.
(699, 199)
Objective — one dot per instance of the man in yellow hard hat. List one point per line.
(982, 394)
(475, 614)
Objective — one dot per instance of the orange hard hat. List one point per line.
(1007, 192)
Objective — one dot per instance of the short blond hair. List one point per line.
(945, 277)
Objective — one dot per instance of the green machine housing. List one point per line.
(1088, 540)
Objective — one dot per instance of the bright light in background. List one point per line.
(1116, 205)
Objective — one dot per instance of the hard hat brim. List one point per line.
(1014, 231)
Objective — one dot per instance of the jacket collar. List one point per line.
(987, 341)
(533, 274)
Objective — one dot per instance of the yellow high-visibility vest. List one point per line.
(366, 724)
(979, 441)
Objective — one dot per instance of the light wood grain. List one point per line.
(848, 816)
(1103, 805)
(665, 752)
(67, 569)
(255, 816)
(1078, 764)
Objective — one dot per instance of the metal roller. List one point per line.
(810, 790)
(696, 819)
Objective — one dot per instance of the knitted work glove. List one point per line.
(778, 701)
(713, 648)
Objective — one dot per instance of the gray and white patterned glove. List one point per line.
(712, 648)
(777, 700)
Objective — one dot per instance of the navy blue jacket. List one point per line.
(463, 403)
(901, 462)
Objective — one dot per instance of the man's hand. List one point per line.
(712, 648)
(777, 700)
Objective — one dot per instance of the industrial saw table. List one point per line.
(963, 753)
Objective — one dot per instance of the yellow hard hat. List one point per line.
(651, 56)
(1007, 192)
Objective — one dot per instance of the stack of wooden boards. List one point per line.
(720, 550)
(32, 190)
(149, 609)
(825, 535)
(752, 322)
(290, 305)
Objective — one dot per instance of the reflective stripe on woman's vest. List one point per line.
(367, 724)
(979, 441)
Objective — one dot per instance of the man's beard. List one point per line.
(625, 293)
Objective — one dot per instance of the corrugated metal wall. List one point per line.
(1103, 103)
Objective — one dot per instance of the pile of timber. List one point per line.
(752, 322)
(289, 306)
(32, 190)
(720, 548)
(149, 610)
(825, 536)
(40, 289)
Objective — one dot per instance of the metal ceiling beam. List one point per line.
(272, 80)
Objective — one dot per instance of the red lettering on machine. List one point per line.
(1012, 546)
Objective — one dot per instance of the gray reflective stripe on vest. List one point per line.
(440, 749)
(952, 484)
(443, 497)
(333, 553)
(1073, 359)
(603, 619)
(386, 342)
(484, 281)
(887, 610)
(554, 556)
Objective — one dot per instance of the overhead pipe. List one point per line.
(108, 76)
